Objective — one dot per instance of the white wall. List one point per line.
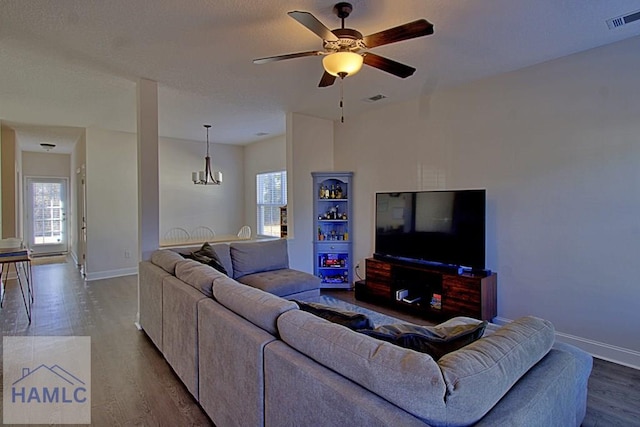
(112, 203)
(49, 165)
(269, 155)
(309, 149)
(112, 195)
(556, 147)
(1, 234)
(10, 180)
(183, 204)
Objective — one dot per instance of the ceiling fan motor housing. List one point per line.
(349, 40)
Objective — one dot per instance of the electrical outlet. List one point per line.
(127, 253)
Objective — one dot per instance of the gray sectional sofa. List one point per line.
(253, 358)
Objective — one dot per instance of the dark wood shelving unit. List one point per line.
(432, 292)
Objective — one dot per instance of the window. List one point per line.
(271, 195)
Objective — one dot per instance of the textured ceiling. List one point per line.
(74, 63)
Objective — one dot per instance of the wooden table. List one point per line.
(21, 260)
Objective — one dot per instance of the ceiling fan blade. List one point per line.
(388, 65)
(312, 23)
(327, 80)
(411, 30)
(287, 56)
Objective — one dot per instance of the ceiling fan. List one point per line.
(345, 49)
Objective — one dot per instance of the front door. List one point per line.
(46, 224)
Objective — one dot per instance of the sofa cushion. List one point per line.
(166, 260)
(258, 307)
(253, 257)
(350, 319)
(433, 340)
(197, 275)
(207, 255)
(480, 374)
(410, 380)
(281, 282)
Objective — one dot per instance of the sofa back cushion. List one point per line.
(197, 275)
(411, 380)
(480, 374)
(258, 307)
(166, 260)
(254, 257)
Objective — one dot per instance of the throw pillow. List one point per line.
(207, 255)
(433, 340)
(350, 319)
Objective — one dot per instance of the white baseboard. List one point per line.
(74, 257)
(612, 353)
(620, 355)
(111, 273)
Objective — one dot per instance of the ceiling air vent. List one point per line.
(375, 98)
(623, 20)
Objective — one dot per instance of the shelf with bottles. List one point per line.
(333, 213)
(333, 232)
(332, 189)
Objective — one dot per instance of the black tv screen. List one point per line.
(443, 227)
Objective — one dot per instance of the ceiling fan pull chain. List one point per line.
(341, 100)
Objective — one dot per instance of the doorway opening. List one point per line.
(46, 217)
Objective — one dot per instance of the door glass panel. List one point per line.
(48, 213)
(45, 215)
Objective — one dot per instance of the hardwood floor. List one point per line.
(131, 382)
(133, 385)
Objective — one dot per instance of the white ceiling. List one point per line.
(73, 63)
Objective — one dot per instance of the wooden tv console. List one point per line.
(429, 291)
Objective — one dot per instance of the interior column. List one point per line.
(148, 174)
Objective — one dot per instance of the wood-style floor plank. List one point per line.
(133, 385)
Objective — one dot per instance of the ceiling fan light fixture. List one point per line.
(342, 63)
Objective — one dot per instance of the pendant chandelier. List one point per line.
(207, 176)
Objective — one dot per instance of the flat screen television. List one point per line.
(439, 227)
